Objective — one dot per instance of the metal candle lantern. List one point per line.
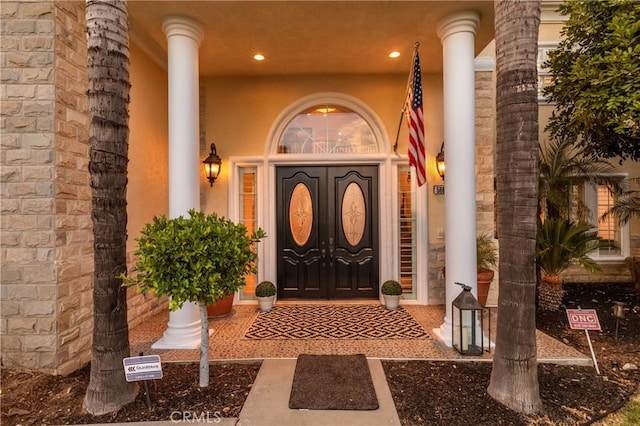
(467, 312)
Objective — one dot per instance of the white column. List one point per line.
(183, 40)
(457, 32)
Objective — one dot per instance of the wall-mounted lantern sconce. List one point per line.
(440, 167)
(440, 162)
(212, 165)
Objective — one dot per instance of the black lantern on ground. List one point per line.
(468, 338)
(212, 165)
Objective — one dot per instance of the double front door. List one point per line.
(327, 224)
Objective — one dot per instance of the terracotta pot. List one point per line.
(221, 308)
(485, 277)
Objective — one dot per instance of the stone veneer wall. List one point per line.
(46, 257)
(74, 228)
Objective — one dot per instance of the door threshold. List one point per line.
(328, 301)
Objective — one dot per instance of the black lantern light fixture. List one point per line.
(212, 165)
(468, 338)
(440, 166)
(439, 189)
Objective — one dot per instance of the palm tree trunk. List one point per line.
(108, 72)
(514, 377)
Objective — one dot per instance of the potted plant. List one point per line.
(200, 259)
(392, 292)
(266, 294)
(561, 243)
(487, 258)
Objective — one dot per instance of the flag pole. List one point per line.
(403, 111)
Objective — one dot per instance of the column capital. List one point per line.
(463, 21)
(183, 26)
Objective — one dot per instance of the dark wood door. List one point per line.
(327, 224)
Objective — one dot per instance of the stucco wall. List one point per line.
(241, 111)
(148, 184)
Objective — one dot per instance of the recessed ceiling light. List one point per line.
(394, 54)
(258, 57)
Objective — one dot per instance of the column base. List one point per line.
(444, 333)
(183, 330)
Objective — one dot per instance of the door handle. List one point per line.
(323, 255)
(331, 249)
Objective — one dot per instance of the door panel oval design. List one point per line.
(300, 214)
(354, 216)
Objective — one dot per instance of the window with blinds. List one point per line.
(406, 230)
(248, 213)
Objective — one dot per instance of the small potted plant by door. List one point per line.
(392, 292)
(266, 295)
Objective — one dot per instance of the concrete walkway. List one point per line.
(268, 401)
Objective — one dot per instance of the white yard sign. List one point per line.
(146, 367)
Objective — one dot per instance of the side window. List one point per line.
(407, 238)
(248, 209)
(598, 200)
(544, 74)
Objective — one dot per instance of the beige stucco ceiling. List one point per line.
(309, 37)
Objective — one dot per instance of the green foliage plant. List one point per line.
(265, 289)
(486, 252)
(596, 78)
(561, 243)
(200, 259)
(391, 288)
(563, 164)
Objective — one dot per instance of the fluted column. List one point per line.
(457, 32)
(183, 39)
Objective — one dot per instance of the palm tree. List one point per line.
(108, 72)
(514, 377)
(626, 205)
(563, 165)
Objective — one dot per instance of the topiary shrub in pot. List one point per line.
(200, 258)
(266, 295)
(392, 292)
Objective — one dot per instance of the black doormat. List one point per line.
(335, 322)
(333, 382)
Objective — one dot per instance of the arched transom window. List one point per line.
(327, 129)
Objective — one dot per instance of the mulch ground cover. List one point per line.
(425, 392)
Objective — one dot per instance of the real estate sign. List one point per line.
(144, 367)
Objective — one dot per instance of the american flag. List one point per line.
(416, 123)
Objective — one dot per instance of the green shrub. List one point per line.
(391, 288)
(199, 259)
(265, 289)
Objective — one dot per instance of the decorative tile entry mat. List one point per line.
(335, 322)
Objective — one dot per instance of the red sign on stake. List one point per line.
(583, 319)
